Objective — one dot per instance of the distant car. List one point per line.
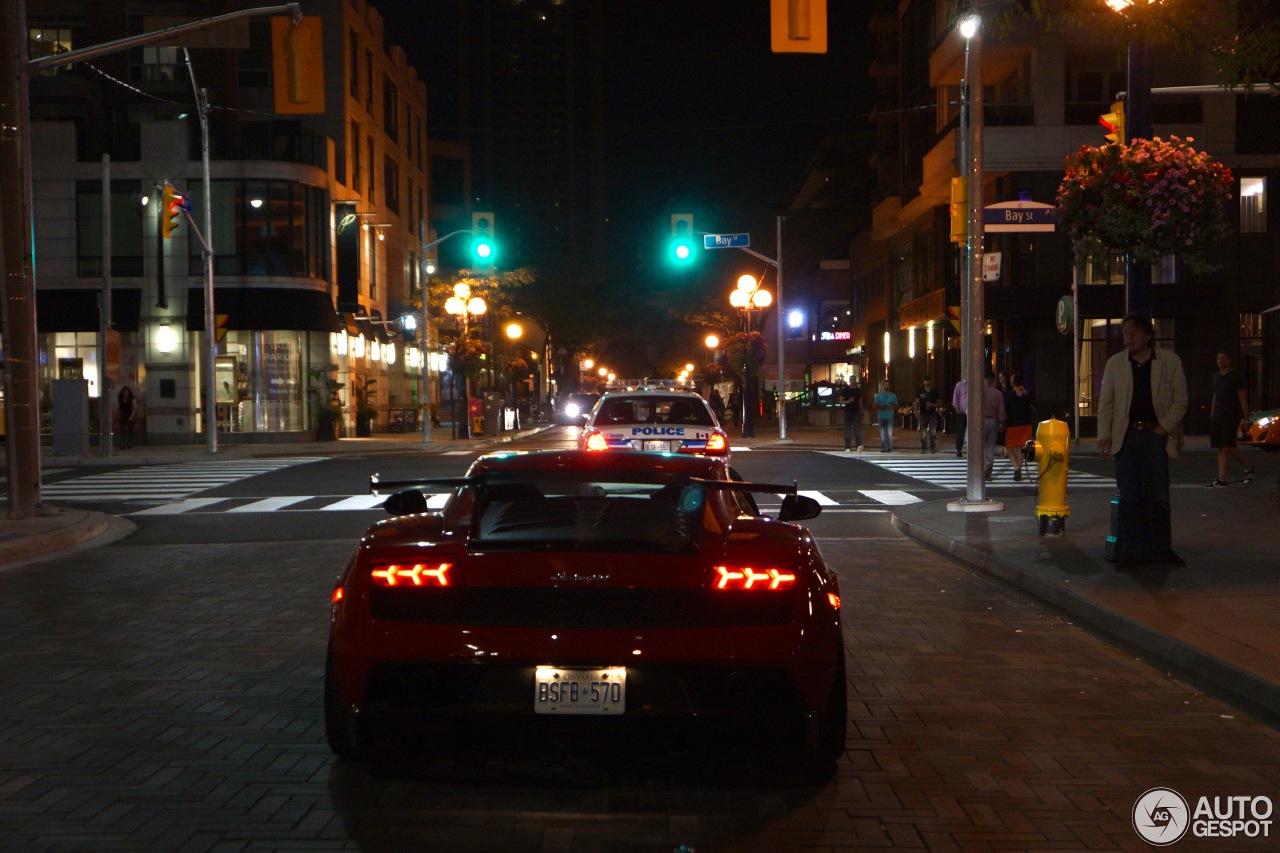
(661, 421)
(575, 408)
(1262, 430)
(562, 590)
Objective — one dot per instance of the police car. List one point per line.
(654, 420)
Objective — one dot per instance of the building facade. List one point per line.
(318, 220)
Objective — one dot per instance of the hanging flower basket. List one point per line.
(745, 348)
(1148, 199)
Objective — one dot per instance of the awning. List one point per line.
(67, 310)
(265, 308)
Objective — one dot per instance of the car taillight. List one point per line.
(596, 441)
(749, 578)
(833, 600)
(411, 574)
(338, 594)
(717, 443)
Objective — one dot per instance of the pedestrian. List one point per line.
(927, 401)
(993, 417)
(886, 406)
(1143, 401)
(851, 395)
(960, 402)
(734, 410)
(717, 403)
(1020, 418)
(127, 408)
(1229, 407)
(1004, 386)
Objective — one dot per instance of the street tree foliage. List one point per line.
(1242, 35)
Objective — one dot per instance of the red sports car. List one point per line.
(568, 588)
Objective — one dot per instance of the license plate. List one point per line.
(580, 691)
(657, 446)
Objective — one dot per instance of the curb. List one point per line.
(1250, 692)
(38, 543)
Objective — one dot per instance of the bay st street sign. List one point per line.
(726, 241)
(1019, 216)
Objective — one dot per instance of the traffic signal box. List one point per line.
(960, 210)
(798, 26)
(170, 211)
(682, 246)
(1114, 124)
(297, 62)
(483, 247)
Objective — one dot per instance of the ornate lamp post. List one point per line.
(464, 306)
(746, 296)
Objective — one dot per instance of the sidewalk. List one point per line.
(1216, 621)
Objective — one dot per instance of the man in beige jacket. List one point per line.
(1143, 401)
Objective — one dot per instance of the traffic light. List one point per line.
(960, 210)
(1114, 123)
(682, 246)
(171, 210)
(483, 247)
(297, 63)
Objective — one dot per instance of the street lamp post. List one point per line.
(1137, 117)
(972, 296)
(745, 296)
(464, 306)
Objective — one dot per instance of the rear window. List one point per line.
(654, 410)
(565, 511)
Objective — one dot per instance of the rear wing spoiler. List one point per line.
(378, 486)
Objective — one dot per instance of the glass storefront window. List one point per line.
(259, 379)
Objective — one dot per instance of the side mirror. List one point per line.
(406, 503)
(798, 508)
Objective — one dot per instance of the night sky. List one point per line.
(698, 111)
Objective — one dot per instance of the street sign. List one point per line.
(726, 241)
(991, 266)
(1062, 315)
(1019, 216)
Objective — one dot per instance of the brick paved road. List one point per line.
(166, 697)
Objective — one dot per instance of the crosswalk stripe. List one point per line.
(951, 472)
(357, 502)
(269, 504)
(891, 497)
(166, 482)
(822, 499)
(179, 507)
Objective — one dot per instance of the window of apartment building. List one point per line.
(390, 108)
(353, 60)
(355, 156)
(127, 221)
(49, 40)
(373, 183)
(1253, 205)
(371, 252)
(391, 183)
(368, 81)
(1252, 362)
(1094, 75)
(253, 65)
(263, 227)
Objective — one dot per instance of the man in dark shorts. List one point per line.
(1229, 407)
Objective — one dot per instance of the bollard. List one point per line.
(1050, 450)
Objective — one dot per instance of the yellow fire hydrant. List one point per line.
(1050, 450)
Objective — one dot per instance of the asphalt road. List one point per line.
(163, 693)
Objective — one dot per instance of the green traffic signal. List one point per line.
(483, 247)
(682, 247)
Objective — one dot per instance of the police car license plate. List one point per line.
(580, 691)
(657, 446)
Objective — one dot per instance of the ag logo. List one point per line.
(1161, 816)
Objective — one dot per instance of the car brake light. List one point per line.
(716, 443)
(749, 578)
(338, 594)
(596, 441)
(833, 600)
(411, 574)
